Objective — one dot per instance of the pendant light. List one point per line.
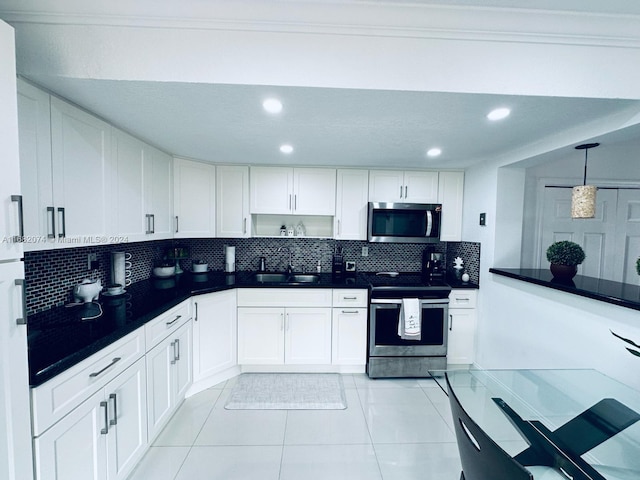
(583, 197)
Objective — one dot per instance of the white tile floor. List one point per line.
(391, 430)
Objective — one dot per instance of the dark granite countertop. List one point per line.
(63, 336)
(621, 294)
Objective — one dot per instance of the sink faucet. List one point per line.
(290, 266)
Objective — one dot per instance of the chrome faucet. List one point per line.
(290, 266)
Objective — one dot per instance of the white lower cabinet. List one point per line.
(214, 333)
(103, 437)
(462, 327)
(169, 375)
(276, 336)
(349, 329)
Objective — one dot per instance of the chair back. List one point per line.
(481, 457)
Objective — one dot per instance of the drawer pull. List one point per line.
(114, 421)
(349, 311)
(462, 299)
(450, 322)
(168, 324)
(105, 430)
(349, 298)
(113, 362)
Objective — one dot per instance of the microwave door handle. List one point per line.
(429, 223)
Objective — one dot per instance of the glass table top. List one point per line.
(561, 404)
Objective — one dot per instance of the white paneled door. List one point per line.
(611, 240)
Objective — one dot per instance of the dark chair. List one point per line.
(484, 459)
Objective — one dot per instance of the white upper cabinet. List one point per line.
(194, 199)
(403, 186)
(299, 191)
(81, 154)
(451, 187)
(158, 194)
(232, 201)
(34, 117)
(352, 194)
(127, 191)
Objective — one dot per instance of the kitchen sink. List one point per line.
(303, 278)
(271, 277)
(286, 278)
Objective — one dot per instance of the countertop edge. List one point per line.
(570, 287)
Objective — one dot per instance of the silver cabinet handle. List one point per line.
(63, 223)
(114, 398)
(406, 193)
(153, 223)
(339, 227)
(177, 348)
(178, 317)
(289, 201)
(349, 311)
(400, 191)
(147, 220)
(21, 283)
(281, 321)
(349, 298)
(195, 304)
(295, 202)
(177, 224)
(105, 430)
(287, 323)
(52, 211)
(20, 237)
(113, 362)
(244, 225)
(173, 346)
(450, 322)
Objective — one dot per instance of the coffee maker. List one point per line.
(432, 265)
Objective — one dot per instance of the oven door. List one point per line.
(383, 329)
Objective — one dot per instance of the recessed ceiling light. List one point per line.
(434, 152)
(272, 105)
(286, 148)
(498, 113)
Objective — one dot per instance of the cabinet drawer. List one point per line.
(54, 399)
(164, 325)
(463, 298)
(284, 297)
(349, 298)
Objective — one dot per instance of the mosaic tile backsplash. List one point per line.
(51, 275)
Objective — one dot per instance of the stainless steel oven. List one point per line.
(389, 355)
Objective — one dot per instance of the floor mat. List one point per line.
(287, 391)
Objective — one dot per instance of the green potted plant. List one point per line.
(565, 256)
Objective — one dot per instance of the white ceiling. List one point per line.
(225, 123)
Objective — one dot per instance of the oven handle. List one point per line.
(398, 301)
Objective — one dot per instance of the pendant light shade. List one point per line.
(583, 197)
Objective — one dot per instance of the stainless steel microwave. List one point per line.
(404, 222)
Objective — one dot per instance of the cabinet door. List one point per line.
(194, 199)
(271, 190)
(232, 202)
(450, 195)
(314, 191)
(75, 447)
(260, 336)
(127, 439)
(349, 336)
(386, 186)
(183, 362)
(352, 195)
(308, 336)
(420, 187)
(36, 180)
(214, 333)
(127, 199)
(158, 202)
(80, 150)
(461, 338)
(159, 386)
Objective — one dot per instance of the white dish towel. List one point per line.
(410, 321)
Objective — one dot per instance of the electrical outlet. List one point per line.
(365, 251)
(483, 219)
(92, 261)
